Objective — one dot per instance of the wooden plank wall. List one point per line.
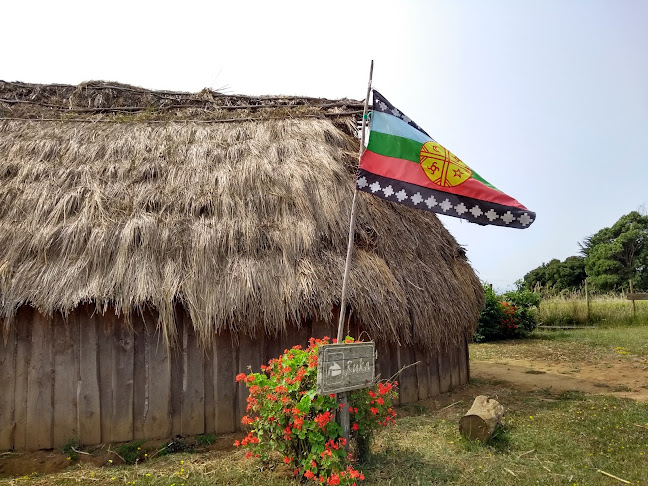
(99, 379)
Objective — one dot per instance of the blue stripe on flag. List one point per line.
(385, 123)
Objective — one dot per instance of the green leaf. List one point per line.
(304, 404)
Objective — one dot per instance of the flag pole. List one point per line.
(352, 223)
(343, 397)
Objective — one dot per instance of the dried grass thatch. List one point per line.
(236, 208)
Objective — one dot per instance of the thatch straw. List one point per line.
(243, 223)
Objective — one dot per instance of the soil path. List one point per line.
(627, 379)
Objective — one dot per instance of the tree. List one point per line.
(557, 275)
(615, 255)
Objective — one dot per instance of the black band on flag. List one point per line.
(473, 210)
(381, 104)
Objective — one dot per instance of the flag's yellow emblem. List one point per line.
(442, 166)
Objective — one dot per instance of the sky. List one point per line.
(546, 99)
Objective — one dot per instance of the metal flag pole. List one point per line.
(343, 397)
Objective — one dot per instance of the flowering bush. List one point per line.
(286, 418)
(511, 315)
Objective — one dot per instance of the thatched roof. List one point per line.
(235, 207)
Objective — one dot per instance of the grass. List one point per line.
(576, 346)
(544, 439)
(606, 309)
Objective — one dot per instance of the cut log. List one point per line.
(482, 419)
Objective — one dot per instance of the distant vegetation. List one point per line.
(609, 259)
(607, 309)
(507, 316)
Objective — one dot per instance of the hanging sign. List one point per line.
(344, 367)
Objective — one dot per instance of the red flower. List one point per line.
(334, 479)
(237, 443)
(353, 473)
(287, 459)
(309, 474)
(249, 379)
(355, 426)
(322, 419)
(374, 410)
(240, 377)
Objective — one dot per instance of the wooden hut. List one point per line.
(153, 244)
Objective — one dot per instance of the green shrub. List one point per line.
(206, 440)
(526, 310)
(70, 448)
(511, 315)
(131, 452)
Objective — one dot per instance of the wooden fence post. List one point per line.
(587, 302)
(634, 306)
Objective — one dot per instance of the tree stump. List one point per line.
(482, 418)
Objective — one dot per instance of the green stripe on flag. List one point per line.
(475, 175)
(394, 146)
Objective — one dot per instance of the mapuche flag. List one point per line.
(402, 163)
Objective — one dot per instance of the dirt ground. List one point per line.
(24, 464)
(620, 377)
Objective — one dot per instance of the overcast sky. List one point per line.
(547, 100)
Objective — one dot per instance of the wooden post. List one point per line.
(343, 397)
(634, 306)
(347, 265)
(587, 302)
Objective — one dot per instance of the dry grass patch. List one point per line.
(588, 346)
(544, 439)
(604, 309)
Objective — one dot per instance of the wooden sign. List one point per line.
(344, 367)
(637, 297)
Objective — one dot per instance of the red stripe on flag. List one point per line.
(407, 171)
